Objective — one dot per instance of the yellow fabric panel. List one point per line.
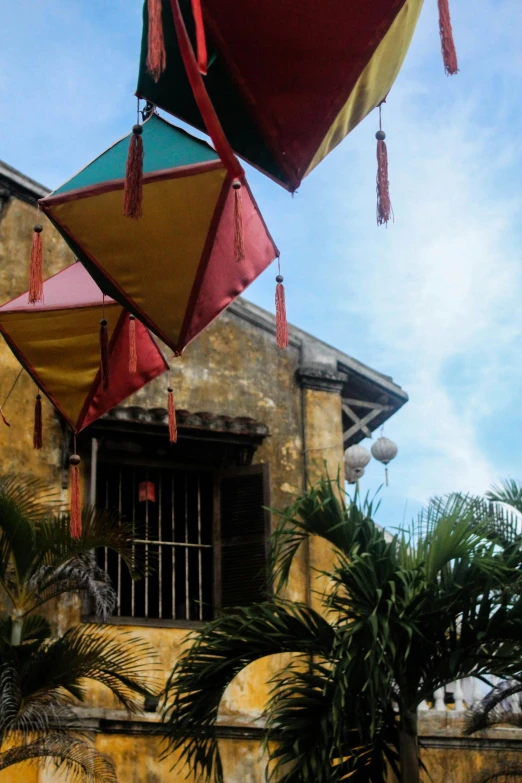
(63, 348)
(375, 81)
(154, 259)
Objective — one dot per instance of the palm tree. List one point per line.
(404, 616)
(503, 704)
(41, 676)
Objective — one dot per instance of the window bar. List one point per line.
(200, 554)
(147, 551)
(133, 584)
(106, 551)
(173, 550)
(160, 548)
(187, 597)
(118, 605)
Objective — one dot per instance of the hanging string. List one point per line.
(280, 305)
(38, 429)
(6, 399)
(36, 268)
(173, 427)
(104, 350)
(449, 53)
(239, 236)
(75, 522)
(133, 186)
(156, 54)
(133, 353)
(384, 207)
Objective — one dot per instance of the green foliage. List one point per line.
(403, 616)
(42, 677)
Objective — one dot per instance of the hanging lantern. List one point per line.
(355, 460)
(318, 70)
(384, 450)
(57, 342)
(198, 243)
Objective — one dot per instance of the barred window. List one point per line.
(201, 534)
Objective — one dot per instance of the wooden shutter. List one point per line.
(244, 526)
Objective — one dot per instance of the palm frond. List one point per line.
(499, 706)
(125, 664)
(81, 761)
(218, 653)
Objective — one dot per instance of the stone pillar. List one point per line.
(323, 450)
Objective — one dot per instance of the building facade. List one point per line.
(253, 422)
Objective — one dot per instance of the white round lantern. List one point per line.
(384, 450)
(355, 460)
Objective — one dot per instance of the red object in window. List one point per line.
(147, 491)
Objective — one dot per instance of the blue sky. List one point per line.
(434, 300)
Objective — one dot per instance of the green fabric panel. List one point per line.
(173, 93)
(164, 145)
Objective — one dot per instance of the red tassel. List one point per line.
(133, 189)
(36, 270)
(384, 207)
(449, 54)
(133, 355)
(76, 508)
(173, 427)
(4, 419)
(200, 37)
(37, 432)
(239, 236)
(281, 322)
(156, 55)
(104, 355)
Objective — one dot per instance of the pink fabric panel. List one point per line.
(225, 278)
(151, 363)
(72, 287)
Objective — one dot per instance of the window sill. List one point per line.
(148, 622)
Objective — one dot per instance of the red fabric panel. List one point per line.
(72, 287)
(224, 278)
(297, 61)
(151, 363)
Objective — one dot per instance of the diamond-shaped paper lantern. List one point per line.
(286, 80)
(57, 342)
(175, 267)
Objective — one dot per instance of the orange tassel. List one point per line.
(4, 419)
(173, 427)
(133, 189)
(239, 237)
(37, 432)
(156, 54)
(384, 207)
(36, 270)
(281, 322)
(133, 355)
(76, 509)
(104, 355)
(449, 54)
(200, 37)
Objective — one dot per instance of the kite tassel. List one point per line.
(36, 269)
(38, 430)
(133, 354)
(281, 322)
(133, 188)
(239, 235)
(156, 54)
(173, 427)
(449, 54)
(384, 207)
(4, 419)
(104, 354)
(75, 523)
(201, 43)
